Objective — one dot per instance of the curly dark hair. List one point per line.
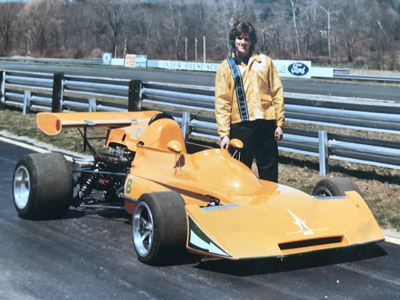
(243, 27)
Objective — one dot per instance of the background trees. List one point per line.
(357, 32)
(8, 18)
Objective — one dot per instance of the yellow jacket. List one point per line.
(263, 90)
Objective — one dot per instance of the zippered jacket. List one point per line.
(262, 89)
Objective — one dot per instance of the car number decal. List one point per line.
(128, 188)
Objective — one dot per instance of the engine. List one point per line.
(104, 180)
(115, 159)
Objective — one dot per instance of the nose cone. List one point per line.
(280, 224)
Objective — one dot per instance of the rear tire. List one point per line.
(160, 116)
(42, 186)
(334, 187)
(159, 228)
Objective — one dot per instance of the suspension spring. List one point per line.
(87, 187)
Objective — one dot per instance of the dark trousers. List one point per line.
(259, 143)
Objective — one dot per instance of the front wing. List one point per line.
(274, 229)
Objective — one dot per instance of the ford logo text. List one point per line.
(298, 69)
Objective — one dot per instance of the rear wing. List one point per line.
(52, 123)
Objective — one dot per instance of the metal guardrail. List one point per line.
(352, 113)
(368, 77)
(339, 73)
(95, 61)
(174, 95)
(362, 114)
(193, 107)
(82, 93)
(319, 144)
(27, 90)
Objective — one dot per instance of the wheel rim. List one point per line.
(323, 192)
(143, 229)
(22, 187)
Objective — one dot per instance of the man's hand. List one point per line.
(278, 133)
(224, 144)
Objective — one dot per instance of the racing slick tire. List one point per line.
(159, 228)
(42, 186)
(334, 187)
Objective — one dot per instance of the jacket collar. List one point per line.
(254, 57)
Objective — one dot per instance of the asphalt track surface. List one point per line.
(89, 255)
(366, 90)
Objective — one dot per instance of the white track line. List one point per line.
(24, 145)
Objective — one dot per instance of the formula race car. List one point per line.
(206, 202)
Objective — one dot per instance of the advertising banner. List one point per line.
(293, 68)
(188, 66)
(285, 68)
(322, 72)
(135, 61)
(106, 58)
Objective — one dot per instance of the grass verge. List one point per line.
(380, 186)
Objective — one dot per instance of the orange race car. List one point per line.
(205, 202)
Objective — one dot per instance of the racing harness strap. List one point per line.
(240, 95)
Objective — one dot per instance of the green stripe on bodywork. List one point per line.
(193, 227)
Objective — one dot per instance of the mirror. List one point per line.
(236, 143)
(174, 146)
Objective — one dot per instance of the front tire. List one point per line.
(334, 187)
(159, 228)
(42, 186)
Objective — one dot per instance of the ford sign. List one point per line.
(298, 69)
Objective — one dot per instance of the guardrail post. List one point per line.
(2, 89)
(58, 87)
(92, 105)
(323, 152)
(27, 102)
(134, 95)
(185, 125)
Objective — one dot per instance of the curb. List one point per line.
(391, 236)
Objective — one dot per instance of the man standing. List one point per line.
(249, 102)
